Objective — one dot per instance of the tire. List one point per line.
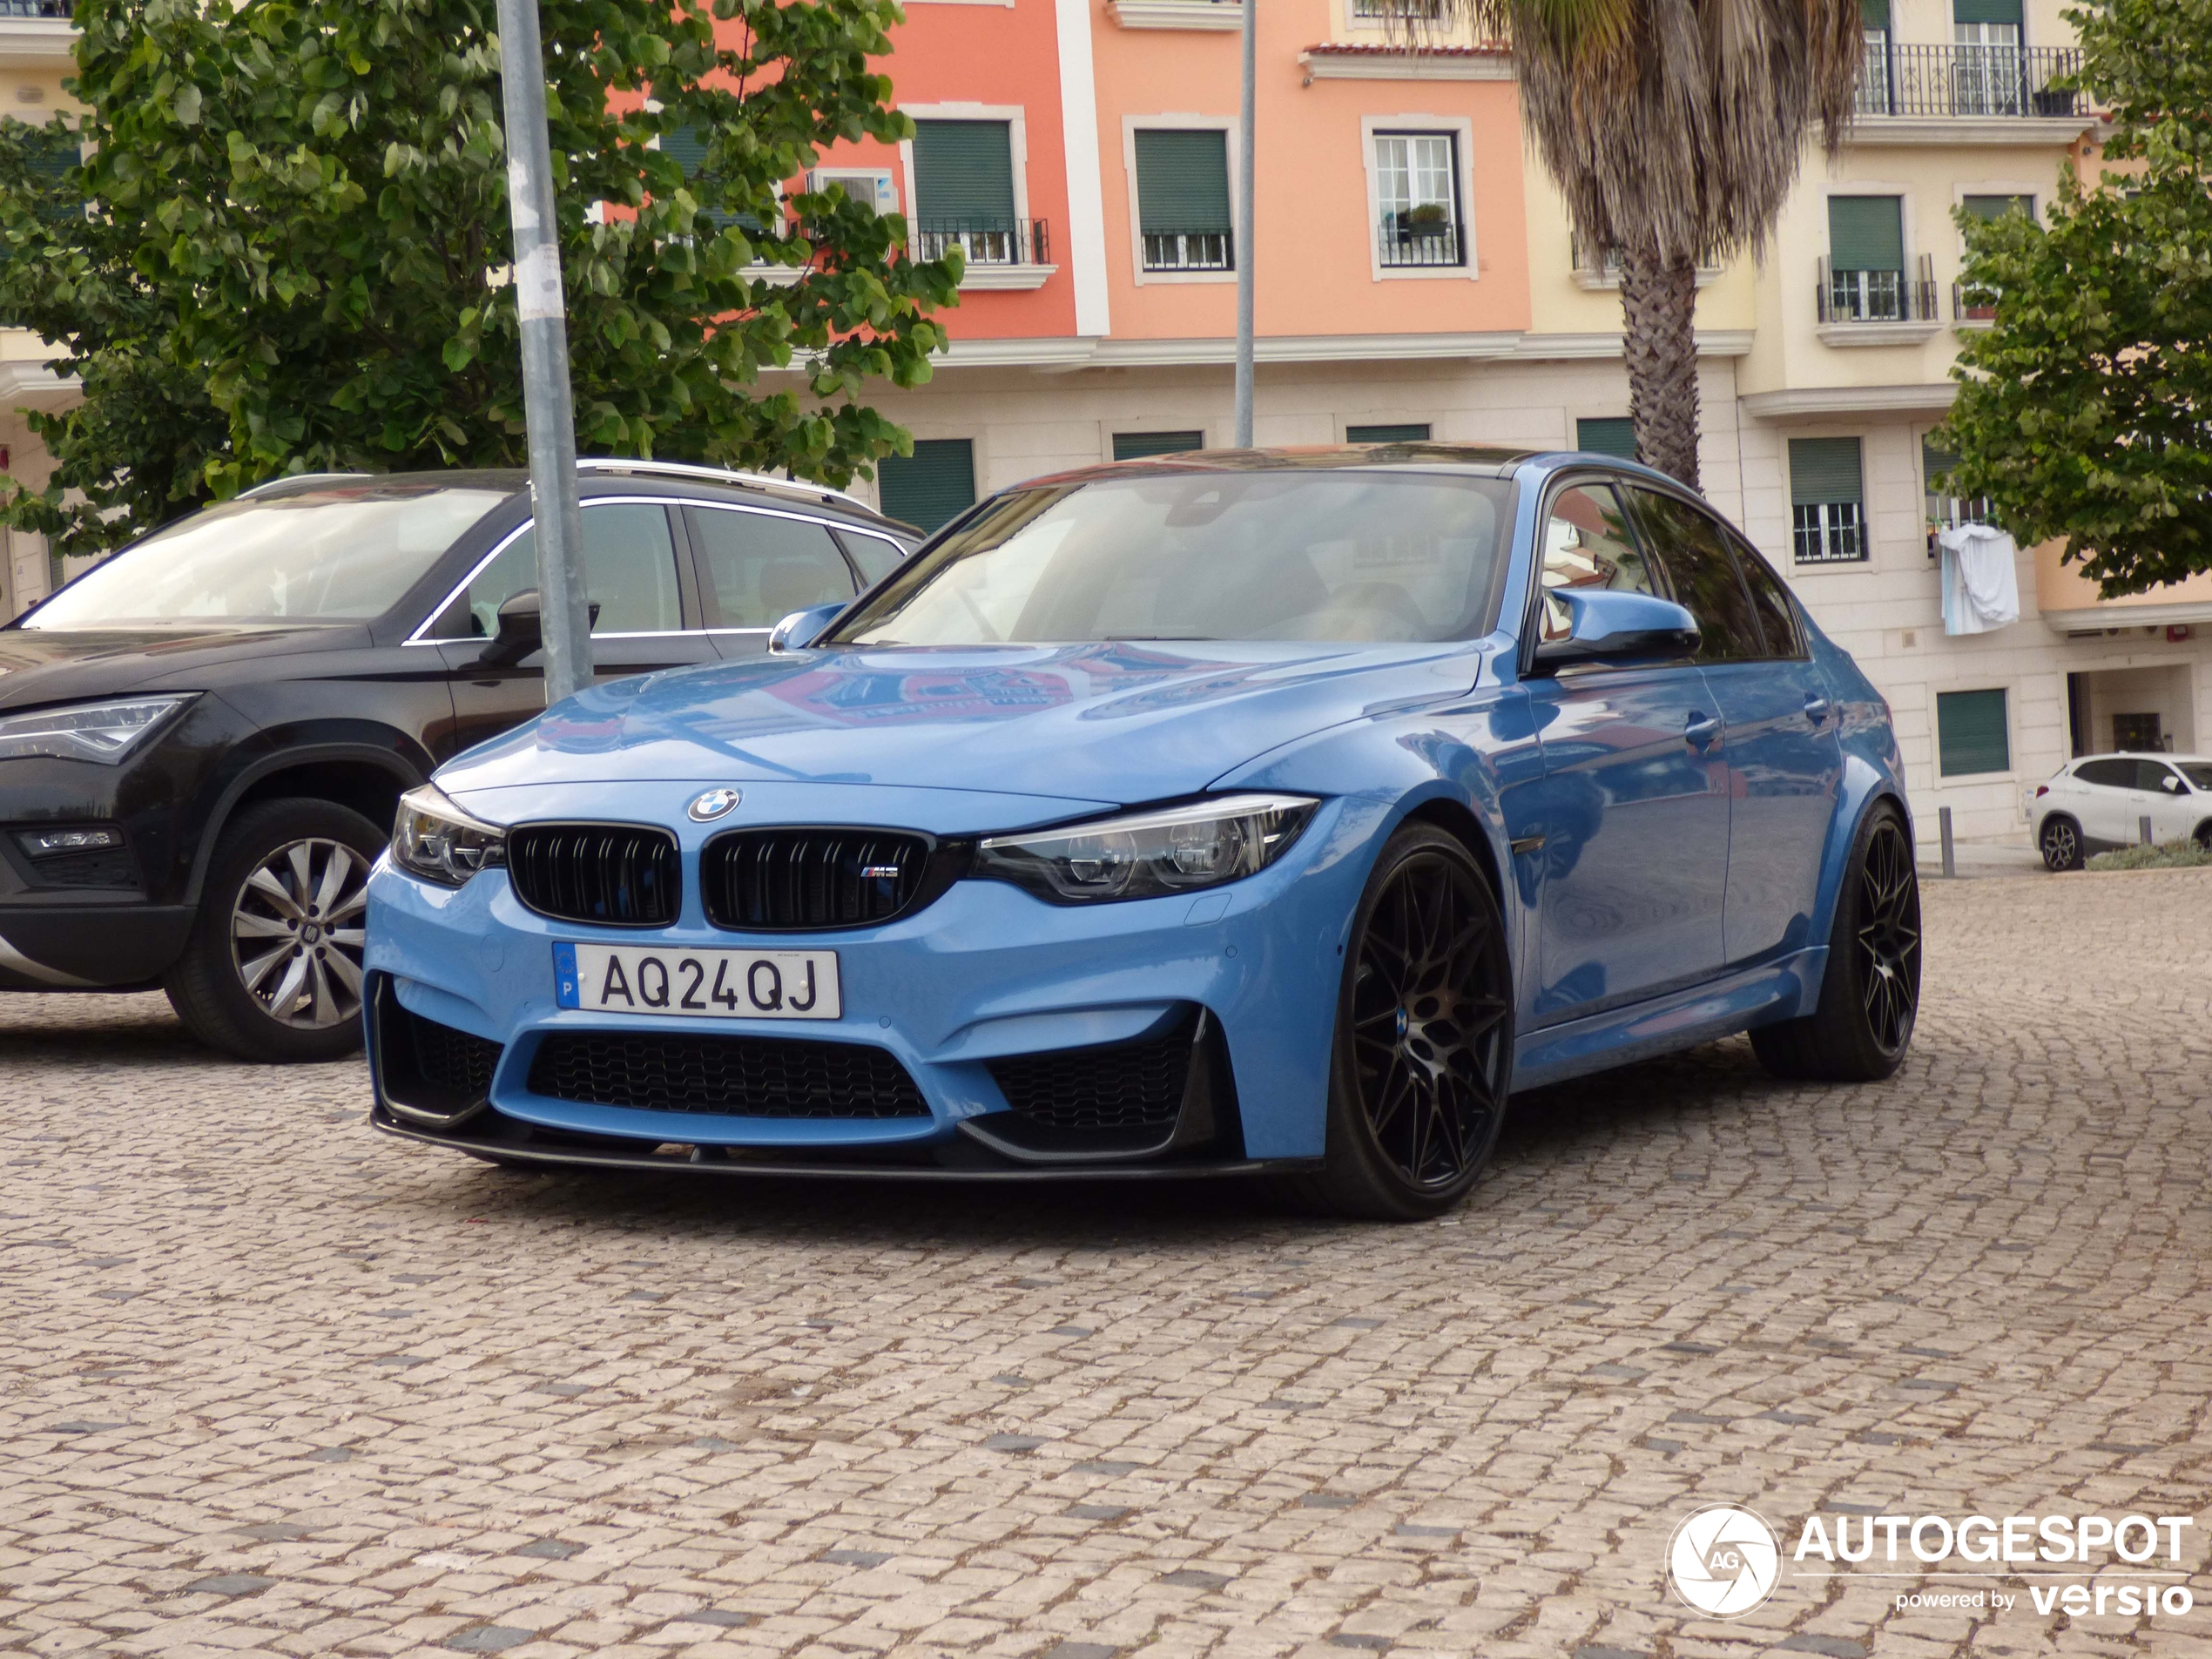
(2059, 841)
(2202, 836)
(1869, 997)
(264, 975)
(1423, 1059)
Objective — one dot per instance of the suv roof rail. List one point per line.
(797, 486)
(267, 484)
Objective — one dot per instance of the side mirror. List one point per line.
(521, 629)
(1608, 625)
(801, 628)
(2170, 784)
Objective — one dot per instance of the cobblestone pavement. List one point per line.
(272, 1382)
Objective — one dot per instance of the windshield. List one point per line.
(1337, 556)
(338, 554)
(2199, 773)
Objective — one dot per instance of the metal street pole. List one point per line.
(1245, 248)
(547, 410)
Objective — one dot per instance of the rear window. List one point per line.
(2107, 775)
(347, 553)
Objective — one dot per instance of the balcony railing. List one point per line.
(1971, 304)
(1948, 512)
(57, 8)
(1209, 250)
(1422, 11)
(1406, 239)
(1877, 296)
(1967, 80)
(985, 241)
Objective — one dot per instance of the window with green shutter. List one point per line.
(1408, 432)
(1611, 434)
(688, 145)
(1997, 206)
(1182, 198)
(1135, 446)
(1827, 501)
(1970, 734)
(1945, 510)
(964, 174)
(1874, 15)
(932, 486)
(1866, 232)
(1998, 11)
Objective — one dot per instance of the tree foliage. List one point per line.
(293, 245)
(2082, 412)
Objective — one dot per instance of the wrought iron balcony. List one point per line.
(1970, 304)
(58, 10)
(985, 241)
(1206, 250)
(1968, 81)
(1407, 237)
(1877, 296)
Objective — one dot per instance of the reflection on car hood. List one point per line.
(40, 665)
(1114, 721)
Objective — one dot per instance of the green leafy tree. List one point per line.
(2082, 412)
(285, 246)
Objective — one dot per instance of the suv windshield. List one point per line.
(343, 554)
(1335, 556)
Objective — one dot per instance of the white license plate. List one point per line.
(697, 984)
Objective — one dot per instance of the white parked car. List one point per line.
(2099, 801)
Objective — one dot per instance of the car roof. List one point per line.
(2142, 754)
(609, 476)
(1478, 460)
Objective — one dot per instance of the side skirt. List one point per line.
(1779, 990)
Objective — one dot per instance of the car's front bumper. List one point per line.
(984, 973)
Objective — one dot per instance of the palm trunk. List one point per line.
(1658, 306)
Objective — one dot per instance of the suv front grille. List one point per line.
(1123, 1085)
(733, 1077)
(795, 880)
(609, 876)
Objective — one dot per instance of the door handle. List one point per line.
(1816, 708)
(1701, 730)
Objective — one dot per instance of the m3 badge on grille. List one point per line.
(716, 803)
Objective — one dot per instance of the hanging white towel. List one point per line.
(1980, 583)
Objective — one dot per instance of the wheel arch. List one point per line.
(359, 776)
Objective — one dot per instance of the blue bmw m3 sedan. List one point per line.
(1278, 813)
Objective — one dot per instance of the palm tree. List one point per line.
(1674, 128)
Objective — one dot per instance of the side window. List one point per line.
(629, 570)
(1778, 618)
(1695, 552)
(2154, 776)
(1587, 544)
(2107, 775)
(877, 556)
(756, 569)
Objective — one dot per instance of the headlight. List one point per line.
(1144, 855)
(436, 840)
(101, 731)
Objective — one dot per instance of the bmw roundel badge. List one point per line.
(714, 805)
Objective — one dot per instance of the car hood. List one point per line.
(1121, 722)
(39, 666)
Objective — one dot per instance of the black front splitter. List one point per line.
(704, 1160)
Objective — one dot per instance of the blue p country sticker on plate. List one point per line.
(564, 983)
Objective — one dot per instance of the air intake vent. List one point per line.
(427, 1069)
(798, 881)
(1121, 1086)
(609, 876)
(739, 1076)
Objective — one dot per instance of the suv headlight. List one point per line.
(437, 840)
(1144, 855)
(101, 731)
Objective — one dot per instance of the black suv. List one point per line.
(203, 739)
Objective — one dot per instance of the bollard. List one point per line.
(2142, 825)
(1950, 859)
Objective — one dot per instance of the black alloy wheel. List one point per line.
(1424, 1047)
(1870, 995)
(2060, 843)
(1889, 938)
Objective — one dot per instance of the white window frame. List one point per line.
(1353, 20)
(1907, 208)
(1131, 125)
(1460, 129)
